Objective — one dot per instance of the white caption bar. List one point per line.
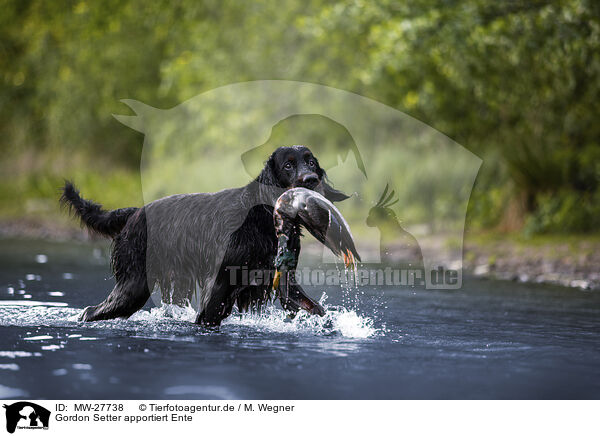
(302, 417)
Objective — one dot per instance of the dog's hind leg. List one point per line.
(125, 299)
(129, 264)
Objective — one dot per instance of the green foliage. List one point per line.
(565, 212)
(34, 192)
(516, 82)
(513, 81)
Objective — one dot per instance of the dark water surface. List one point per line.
(488, 340)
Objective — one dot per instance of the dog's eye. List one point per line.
(311, 163)
(288, 166)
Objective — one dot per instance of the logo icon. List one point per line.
(26, 415)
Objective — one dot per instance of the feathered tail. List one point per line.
(107, 223)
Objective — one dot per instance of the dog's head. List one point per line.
(297, 167)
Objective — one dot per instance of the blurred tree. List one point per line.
(514, 81)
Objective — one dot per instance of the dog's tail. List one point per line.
(107, 223)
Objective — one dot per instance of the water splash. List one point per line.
(166, 311)
(172, 319)
(337, 321)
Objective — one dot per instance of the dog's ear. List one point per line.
(267, 176)
(332, 194)
(329, 192)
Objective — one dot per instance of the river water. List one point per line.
(488, 340)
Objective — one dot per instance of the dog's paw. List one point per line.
(87, 314)
(318, 310)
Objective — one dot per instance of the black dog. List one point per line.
(191, 243)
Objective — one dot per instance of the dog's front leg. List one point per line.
(219, 305)
(297, 294)
(293, 298)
